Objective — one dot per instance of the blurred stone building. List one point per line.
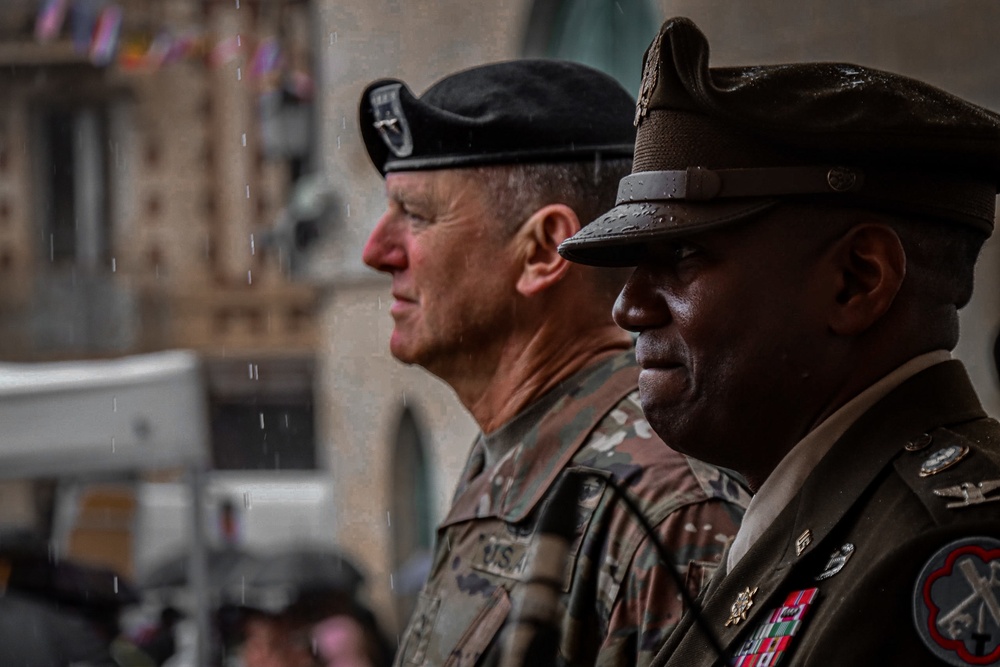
(148, 156)
(213, 198)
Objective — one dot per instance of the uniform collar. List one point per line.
(510, 470)
(787, 478)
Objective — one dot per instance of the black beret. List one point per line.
(719, 145)
(501, 113)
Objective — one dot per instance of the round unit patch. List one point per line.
(956, 602)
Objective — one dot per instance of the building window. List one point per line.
(74, 197)
(262, 415)
(609, 35)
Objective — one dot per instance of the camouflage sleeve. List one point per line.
(648, 605)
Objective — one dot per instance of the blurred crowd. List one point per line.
(299, 607)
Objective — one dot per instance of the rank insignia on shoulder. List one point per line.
(772, 638)
(838, 559)
(956, 602)
(969, 493)
(942, 459)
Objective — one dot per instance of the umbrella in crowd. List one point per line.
(274, 581)
(54, 611)
(172, 572)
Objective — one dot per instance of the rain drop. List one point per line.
(239, 73)
(239, 41)
(116, 584)
(252, 249)
(246, 500)
(248, 191)
(338, 143)
(262, 421)
(249, 277)
(388, 519)
(237, 4)
(244, 139)
(348, 210)
(250, 370)
(392, 586)
(114, 265)
(343, 122)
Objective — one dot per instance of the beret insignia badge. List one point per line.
(387, 110)
(956, 602)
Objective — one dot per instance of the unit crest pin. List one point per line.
(743, 604)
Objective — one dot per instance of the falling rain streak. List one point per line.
(262, 421)
(249, 278)
(253, 250)
(388, 519)
(247, 501)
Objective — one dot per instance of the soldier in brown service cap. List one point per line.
(485, 174)
(803, 236)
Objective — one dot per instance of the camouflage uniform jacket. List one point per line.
(618, 606)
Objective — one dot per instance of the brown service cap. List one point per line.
(719, 145)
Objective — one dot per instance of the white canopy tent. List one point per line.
(137, 413)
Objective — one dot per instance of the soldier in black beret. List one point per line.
(803, 237)
(486, 173)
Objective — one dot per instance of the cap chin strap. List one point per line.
(701, 184)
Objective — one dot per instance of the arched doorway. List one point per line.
(411, 522)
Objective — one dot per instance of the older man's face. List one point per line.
(731, 331)
(453, 274)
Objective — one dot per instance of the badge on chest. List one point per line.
(772, 638)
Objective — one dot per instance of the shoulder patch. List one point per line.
(956, 602)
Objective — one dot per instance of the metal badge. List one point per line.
(805, 539)
(743, 604)
(956, 602)
(917, 444)
(970, 494)
(390, 121)
(838, 559)
(943, 459)
(841, 179)
(650, 74)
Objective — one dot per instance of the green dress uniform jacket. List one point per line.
(617, 604)
(888, 555)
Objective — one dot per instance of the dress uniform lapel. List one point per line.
(939, 395)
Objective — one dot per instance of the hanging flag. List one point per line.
(105, 42)
(225, 51)
(50, 19)
(83, 17)
(266, 59)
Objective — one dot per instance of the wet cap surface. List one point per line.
(831, 132)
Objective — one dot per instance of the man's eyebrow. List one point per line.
(409, 197)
